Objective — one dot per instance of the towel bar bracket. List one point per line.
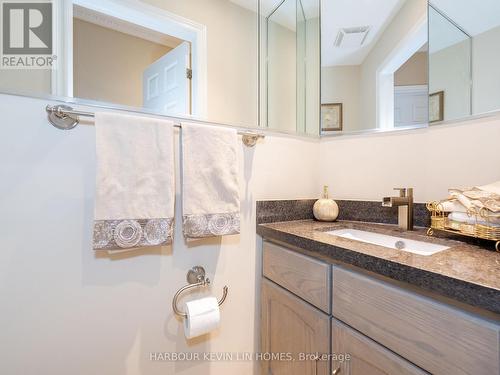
(196, 279)
(59, 118)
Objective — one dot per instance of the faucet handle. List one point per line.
(402, 191)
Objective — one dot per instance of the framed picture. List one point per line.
(436, 106)
(331, 117)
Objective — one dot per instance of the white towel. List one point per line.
(210, 191)
(450, 205)
(486, 196)
(135, 190)
(465, 218)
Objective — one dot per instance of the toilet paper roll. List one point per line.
(203, 316)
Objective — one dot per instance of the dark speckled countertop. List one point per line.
(463, 272)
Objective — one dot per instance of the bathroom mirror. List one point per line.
(464, 59)
(374, 74)
(290, 61)
(184, 58)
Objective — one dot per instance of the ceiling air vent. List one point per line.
(351, 37)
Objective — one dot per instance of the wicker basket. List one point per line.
(440, 221)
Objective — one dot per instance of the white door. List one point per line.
(166, 86)
(411, 105)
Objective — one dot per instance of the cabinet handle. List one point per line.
(316, 364)
(336, 371)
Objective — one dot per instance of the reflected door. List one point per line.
(167, 82)
(410, 105)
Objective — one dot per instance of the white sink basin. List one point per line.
(391, 242)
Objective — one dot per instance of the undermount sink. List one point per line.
(391, 242)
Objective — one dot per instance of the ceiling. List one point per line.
(475, 17)
(104, 20)
(442, 33)
(337, 14)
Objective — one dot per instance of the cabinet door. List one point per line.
(366, 357)
(294, 329)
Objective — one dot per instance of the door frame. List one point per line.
(147, 16)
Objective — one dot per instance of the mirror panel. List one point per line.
(464, 58)
(290, 54)
(185, 58)
(450, 52)
(373, 65)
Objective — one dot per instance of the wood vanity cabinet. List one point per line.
(309, 306)
(289, 327)
(366, 357)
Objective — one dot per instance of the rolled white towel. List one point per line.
(462, 217)
(452, 205)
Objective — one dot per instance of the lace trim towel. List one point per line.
(130, 233)
(199, 226)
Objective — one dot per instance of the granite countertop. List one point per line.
(464, 272)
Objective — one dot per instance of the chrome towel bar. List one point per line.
(65, 118)
(196, 278)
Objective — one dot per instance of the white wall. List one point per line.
(431, 160)
(67, 310)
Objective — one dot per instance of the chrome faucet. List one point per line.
(404, 203)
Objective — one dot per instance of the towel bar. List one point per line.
(196, 278)
(66, 118)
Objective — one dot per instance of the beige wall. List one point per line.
(313, 76)
(408, 16)
(356, 86)
(340, 84)
(232, 44)
(232, 68)
(108, 65)
(282, 78)
(486, 71)
(450, 72)
(413, 72)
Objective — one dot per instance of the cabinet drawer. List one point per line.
(366, 357)
(304, 276)
(438, 338)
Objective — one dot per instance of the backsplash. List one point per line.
(284, 210)
(368, 211)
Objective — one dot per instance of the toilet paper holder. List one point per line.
(196, 279)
